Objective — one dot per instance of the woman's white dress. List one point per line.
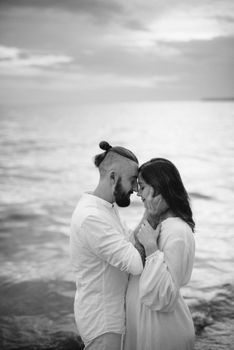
(157, 317)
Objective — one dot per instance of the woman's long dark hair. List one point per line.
(164, 177)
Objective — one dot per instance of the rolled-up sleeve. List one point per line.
(110, 245)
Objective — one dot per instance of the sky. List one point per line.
(103, 51)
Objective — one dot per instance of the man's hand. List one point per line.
(155, 206)
(140, 249)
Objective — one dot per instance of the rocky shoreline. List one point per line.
(42, 318)
(202, 317)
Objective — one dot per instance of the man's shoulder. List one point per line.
(83, 211)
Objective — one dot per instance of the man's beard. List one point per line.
(122, 198)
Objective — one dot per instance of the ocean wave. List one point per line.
(201, 196)
(13, 215)
(18, 216)
(214, 321)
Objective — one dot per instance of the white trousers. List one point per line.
(107, 341)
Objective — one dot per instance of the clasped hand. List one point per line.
(147, 236)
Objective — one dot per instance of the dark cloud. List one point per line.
(219, 49)
(95, 8)
(102, 11)
(227, 19)
(134, 24)
(200, 67)
(119, 61)
(204, 68)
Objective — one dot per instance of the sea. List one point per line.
(46, 163)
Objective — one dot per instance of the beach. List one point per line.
(46, 163)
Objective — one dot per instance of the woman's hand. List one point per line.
(147, 236)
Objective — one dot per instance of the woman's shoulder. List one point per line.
(176, 227)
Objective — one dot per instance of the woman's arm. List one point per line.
(164, 274)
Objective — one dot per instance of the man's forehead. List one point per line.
(124, 166)
(132, 170)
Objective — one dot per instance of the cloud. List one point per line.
(194, 21)
(181, 28)
(8, 53)
(101, 44)
(99, 9)
(15, 61)
(229, 19)
(86, 81)
(182, 20)
(135, 24)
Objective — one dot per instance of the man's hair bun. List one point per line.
(105, 146)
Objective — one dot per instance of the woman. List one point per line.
(157, 317)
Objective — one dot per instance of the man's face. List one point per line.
(126, 184)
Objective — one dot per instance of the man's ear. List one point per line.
(113, 177)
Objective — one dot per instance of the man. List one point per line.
(101, 253)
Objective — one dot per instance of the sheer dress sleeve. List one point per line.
(167, 270)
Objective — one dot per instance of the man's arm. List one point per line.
(110, 245)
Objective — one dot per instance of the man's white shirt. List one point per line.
(102, 257)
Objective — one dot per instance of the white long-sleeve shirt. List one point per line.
(102, 257)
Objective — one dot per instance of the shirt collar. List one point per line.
(99, 201)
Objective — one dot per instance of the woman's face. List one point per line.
(153, 202)
(145, 191)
